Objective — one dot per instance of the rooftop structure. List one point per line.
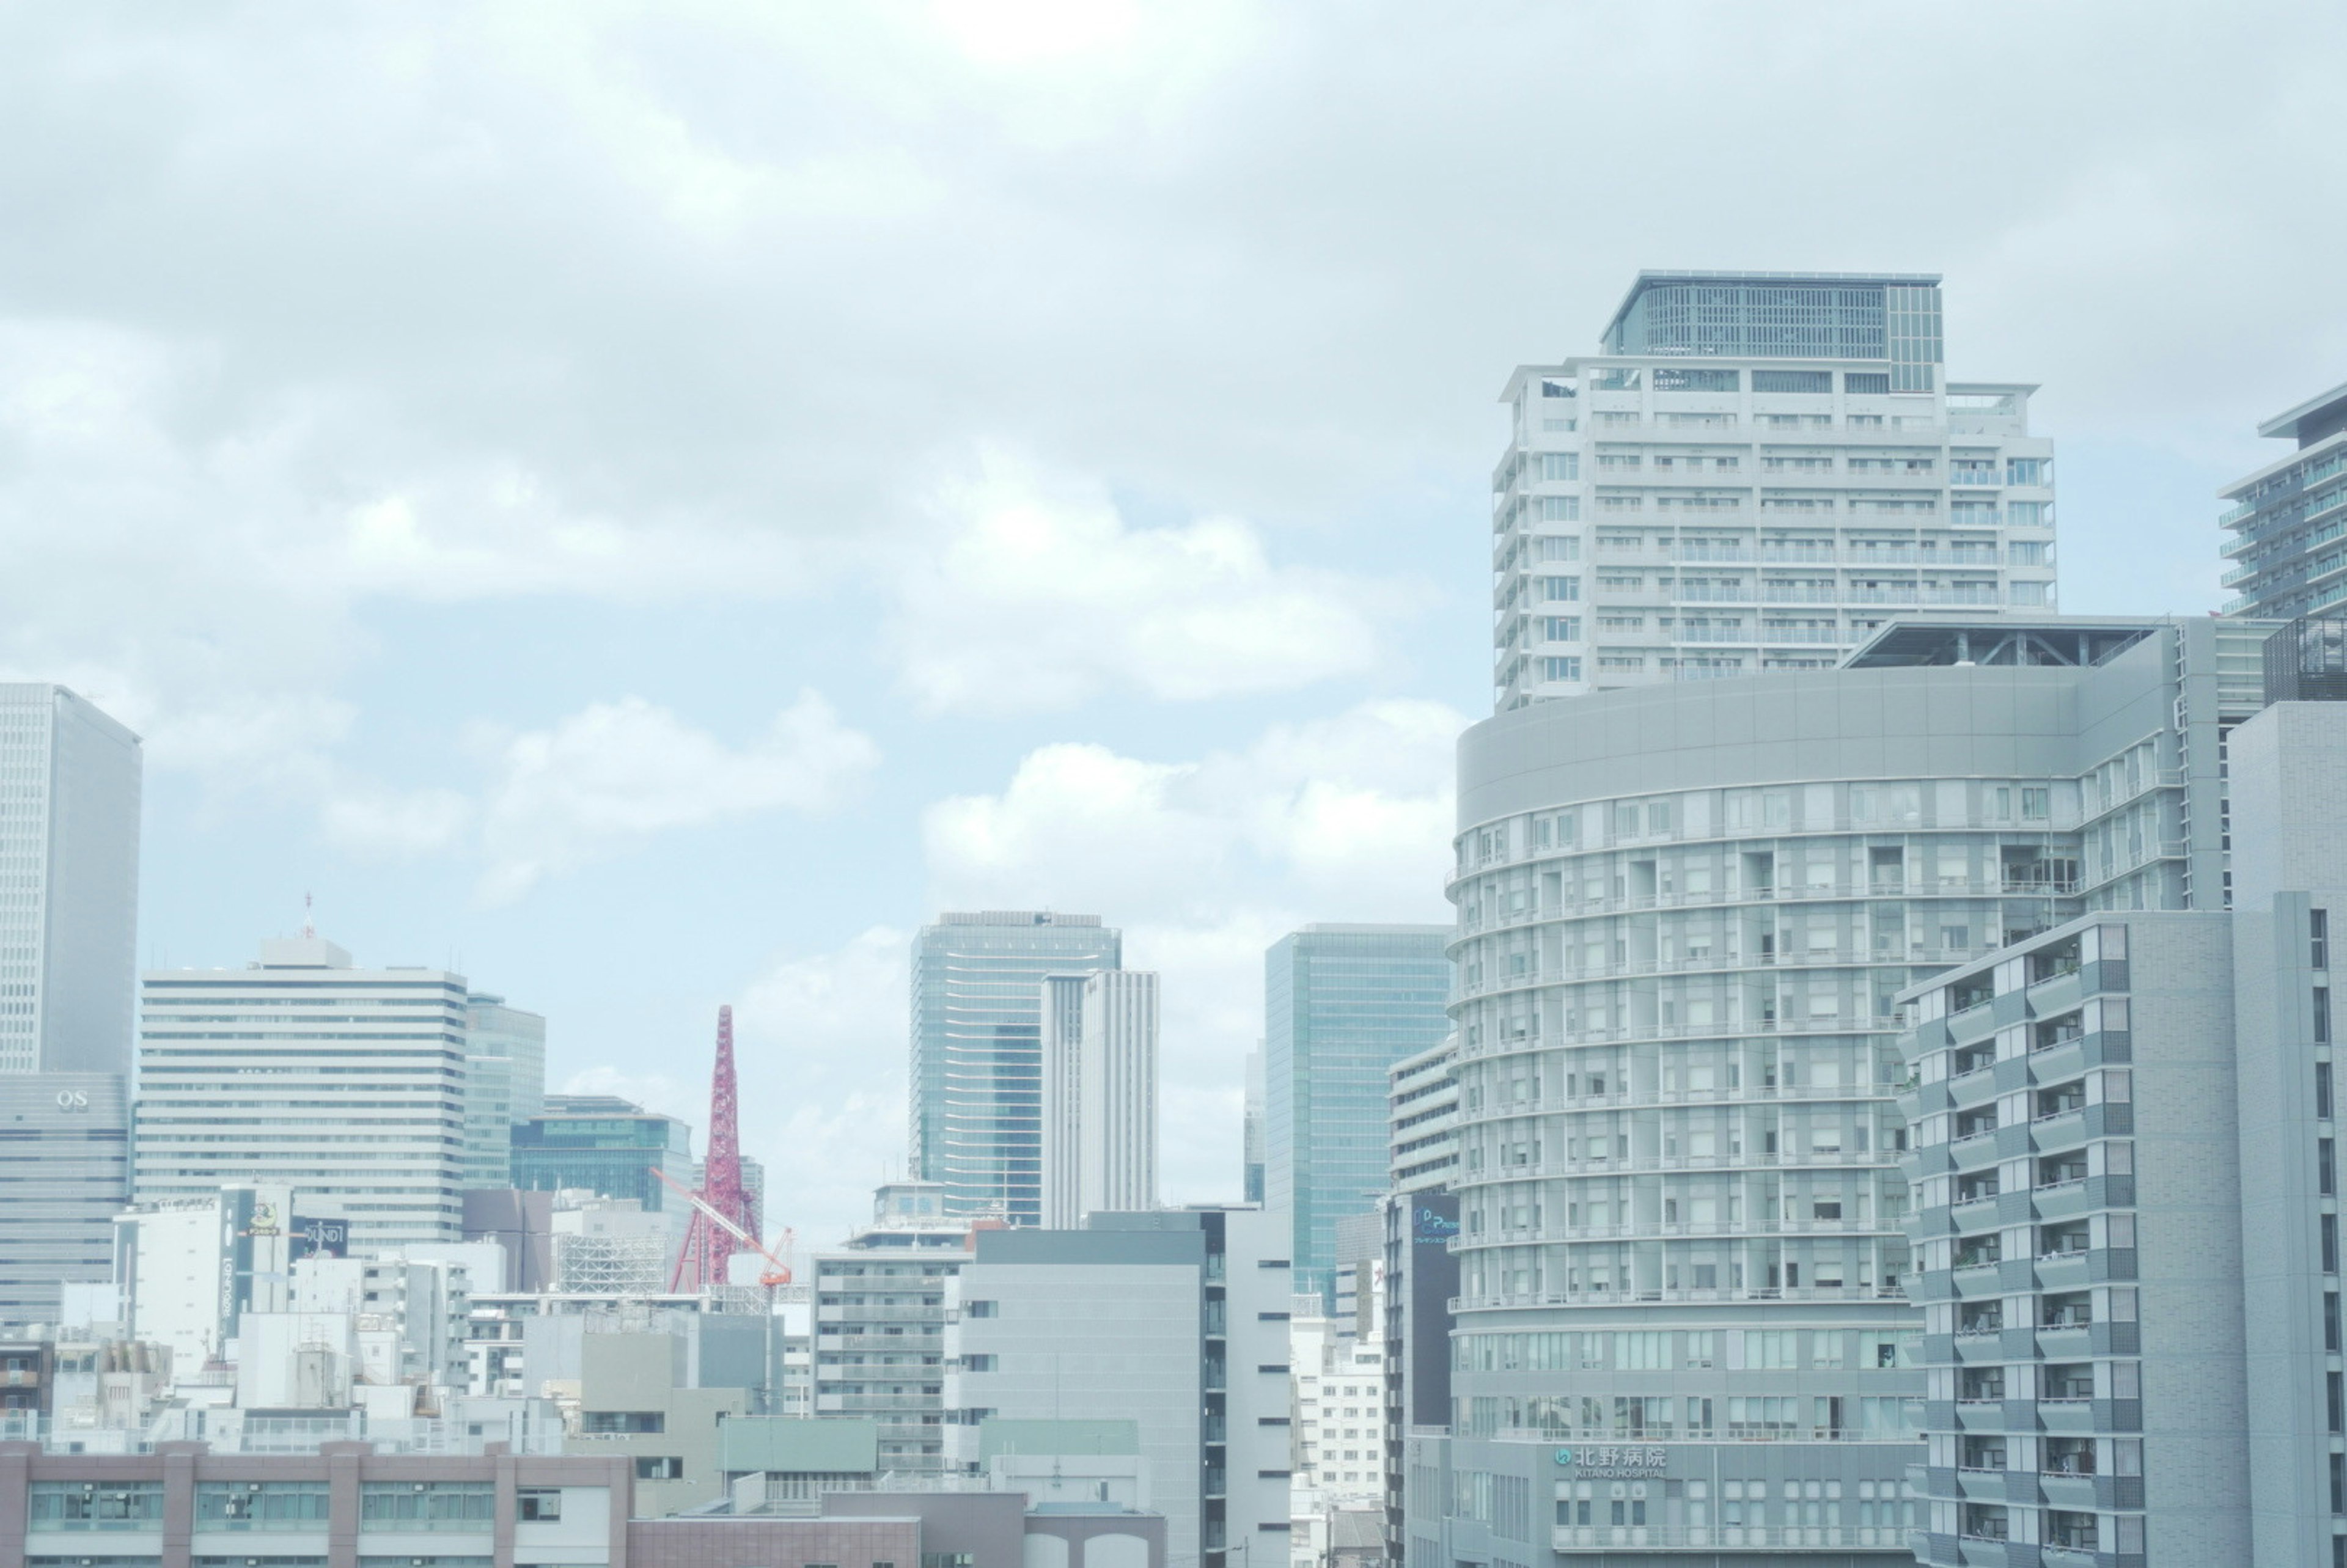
(1756, 472)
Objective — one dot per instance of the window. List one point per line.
(1561, 590)
(1793, 381)
(1554, 549)
(429, 1505)
(1866, 382)
(666, 1467)
(2025, 470)
(538, 1505)
(86, 1505)
(1560, 508)
(979, 1309)
(261, 1505)
(1271, 1318)
(978, 1363)
(622, 1422)
(1682, 378)
(2321, 1015)
(2318, 931)
(1561, 628)
(1560, 468)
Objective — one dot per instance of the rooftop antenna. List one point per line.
(309, 929)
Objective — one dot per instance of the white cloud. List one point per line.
(1037, 594)
(608, 777)
(1355, 809)
(1205, 864)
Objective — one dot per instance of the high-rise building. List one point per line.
(64, 1172)
(978, 1049)
(303, 1071)
(1684, 913)
(2124, 1167)
(1176, 1320)
(1342, 1005)
(505, 1084)
(1423, 1128)
(2285, 544)
(69, 855)
(1100, 1094)
(880, 1313)
(604, 1144)
(1754, 472)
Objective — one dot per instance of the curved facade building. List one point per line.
(1685, 911)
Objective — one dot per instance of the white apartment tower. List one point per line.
(347, 1084)
(1100, 1094)
(1755, 473)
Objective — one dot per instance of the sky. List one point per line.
(644, 505)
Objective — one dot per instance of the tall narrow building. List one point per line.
(1342, 1005)
(505, 1083)
(2288, 558)
(1100, 1095)
(1754, 472)
(978, 1050)
(70, 784)
(69, 793)
(346, 1085)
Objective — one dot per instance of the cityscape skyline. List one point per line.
(1256, 592)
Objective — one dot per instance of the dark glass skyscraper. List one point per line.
(978, 1049)
(1342, 1005)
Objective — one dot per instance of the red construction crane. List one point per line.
(776, 1272)
(721, 1217)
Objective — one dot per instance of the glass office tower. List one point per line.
(978, 1049)
(1342, 1005)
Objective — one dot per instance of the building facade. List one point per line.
(880, 1312)
(184, 1507)
(1176, 1320)
(1684, 916)
(978, 1049)
(1342, 1005)
(2287, 541)
(2076, 1164)
(604, 1144)
(1423, 1118)
(303, 1071)
(1100, 1094)
(69, 853)
(504, 1081)
(1756, 472)
(2125, 1158)
(65, 1172)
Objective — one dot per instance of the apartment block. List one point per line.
(1756, 472)
(880, 1314)
(2126, 1172)
(2288, 522)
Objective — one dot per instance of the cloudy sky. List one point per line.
(644, 504)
